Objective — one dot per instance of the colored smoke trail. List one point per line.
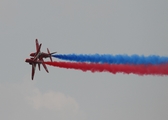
(114, 59)
(114, 68)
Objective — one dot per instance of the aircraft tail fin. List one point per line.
(49, 54)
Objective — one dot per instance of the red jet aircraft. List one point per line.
(33, 62)
(40, 55)
(37, 58)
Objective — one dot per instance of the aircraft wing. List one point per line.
(33, 70)
(37, 53)
(37, 45)
(44, 65)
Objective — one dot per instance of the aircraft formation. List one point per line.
(36, 58)
(134, 64)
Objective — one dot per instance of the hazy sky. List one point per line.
(81, 26)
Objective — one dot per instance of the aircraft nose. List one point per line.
(25, 60)
(30, 54)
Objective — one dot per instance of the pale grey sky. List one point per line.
(81, 26)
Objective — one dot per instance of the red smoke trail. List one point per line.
(114, 68)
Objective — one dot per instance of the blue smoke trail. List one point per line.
(113, 59)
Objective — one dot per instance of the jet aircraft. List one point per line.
(33, 62)
(40, 55)
(37, 58)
